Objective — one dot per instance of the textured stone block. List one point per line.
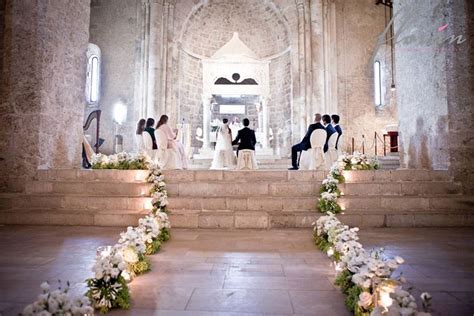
(440, 220)
(353, 220)
(178, 176)
(382, 175)
(194, 189)
(68, 187)
(359, 175)
(250, 189)
(122, 220)
(292, 190)
(452, 203)
(300, 204)
(307, 220)
(411, 175)
(282, 220)
(301, 175)
(208, 175)
(355, 202)
(35, 201)
(251, 220)
(257, 175)
(184, 221)
(400, 220)
(215, 221)
(213, 204)
(405, 203)
(265, 204)
(38, 187)
(390, 188)
(237, 204)
(373, 220)
(178, 203)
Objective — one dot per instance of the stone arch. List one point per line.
(208, 26)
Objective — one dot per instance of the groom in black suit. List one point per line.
(245, 137)
(305, 143)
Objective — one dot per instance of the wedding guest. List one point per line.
(329, 130)
(305, 144)
(337, 127)
(245, 137)
(172, 141)
(150, 130)
(141, 124)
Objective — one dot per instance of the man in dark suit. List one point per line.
(329, 130)
(245, 137)
(337, 127)
(305, 143)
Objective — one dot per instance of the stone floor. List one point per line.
(209, 272)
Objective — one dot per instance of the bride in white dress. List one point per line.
(224, 153)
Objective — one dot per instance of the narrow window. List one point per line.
(377, 83)
(94, 87)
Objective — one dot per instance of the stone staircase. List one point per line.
(239, 199)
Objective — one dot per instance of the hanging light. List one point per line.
(392, 87)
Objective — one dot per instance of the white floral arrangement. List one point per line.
(158, 191)
(108, 288)
(150, 227)
(122, 161)
(58, 302)
(133, 238)
(365, 277)
(358, 161)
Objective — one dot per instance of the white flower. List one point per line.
(45, 286)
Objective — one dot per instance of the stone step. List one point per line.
(94, 203)
(237, 220)
(408, 203)
(178, 176)
(121, 218)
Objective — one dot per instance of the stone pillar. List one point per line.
(317, 57)
(164, 57)
(330, 57)
(265, 123)
(42, 87)
(301, 114)
(206, 125)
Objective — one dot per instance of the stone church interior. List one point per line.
(236, 157)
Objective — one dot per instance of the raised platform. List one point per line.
(239, 199)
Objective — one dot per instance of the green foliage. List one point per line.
(143, 265)
(326, 206)
(138, 164)
(352, 298)
(332, 188)
(322, 243)
(344, 281)
(164, 235)
(153, 247)
(107, 291)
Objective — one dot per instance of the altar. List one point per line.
(236, 85)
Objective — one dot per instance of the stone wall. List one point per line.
(357, 31)
(114, 27)
(212, 25)
(42, 87)
(460, 88)
(435, 110)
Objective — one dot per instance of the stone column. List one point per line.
(301, 66)
(164, 57)
(206, 124)
(317, 57)
(265, 123)
(42, 87)
(307, 60)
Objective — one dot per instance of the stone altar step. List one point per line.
(239, 199)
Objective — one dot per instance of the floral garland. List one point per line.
(364, 277)
(121, 161)
(58, 302)
(115, 265)
(329, 192)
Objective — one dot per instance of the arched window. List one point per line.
(93, 74)
(377, 83)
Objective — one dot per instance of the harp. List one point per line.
(94, 115)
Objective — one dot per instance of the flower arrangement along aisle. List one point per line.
(159, 203)
(329, 192)
(121, 161)
(108, 289)
(133, 247)
(366, 278)
(58, 302)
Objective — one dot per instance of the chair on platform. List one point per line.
(148, 146)
(247, 160)
(314, 158)
(331, 154)
(167, 158)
